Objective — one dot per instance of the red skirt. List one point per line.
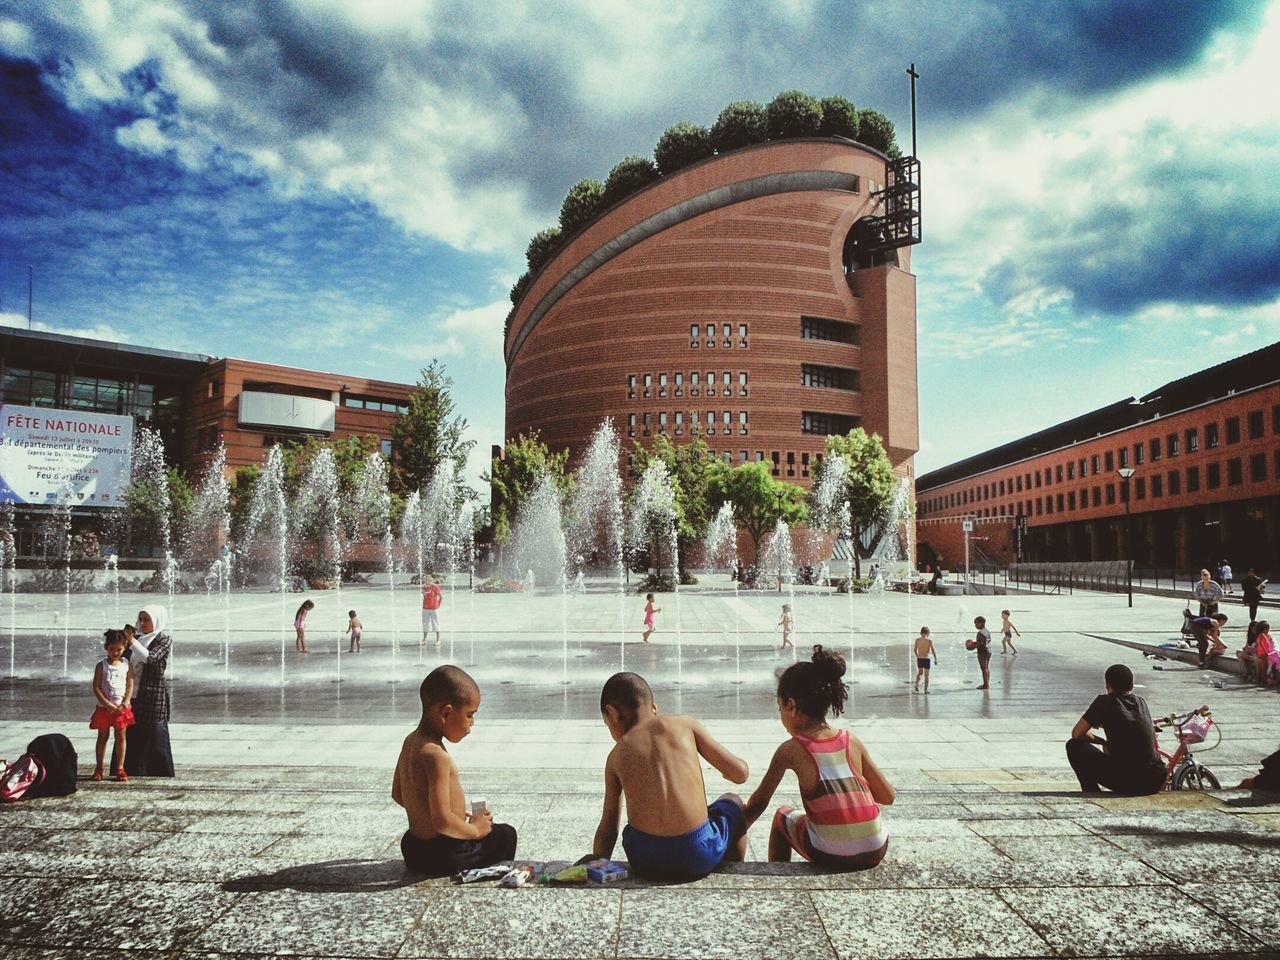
(104, 719)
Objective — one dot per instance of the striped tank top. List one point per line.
(843, 817)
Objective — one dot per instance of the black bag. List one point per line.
(1269, 777)
(59, 758)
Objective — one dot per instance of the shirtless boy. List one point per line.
(924, 650)
(443, 837)
(671, 833)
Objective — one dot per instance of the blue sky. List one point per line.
(350, 187)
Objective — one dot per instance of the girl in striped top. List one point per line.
(841, 787)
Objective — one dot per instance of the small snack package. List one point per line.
(606, 871)
(574, 874)
(481, 873)
(520, 874)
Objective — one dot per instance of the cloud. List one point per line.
(96, 332)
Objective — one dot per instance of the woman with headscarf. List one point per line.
(148, 753)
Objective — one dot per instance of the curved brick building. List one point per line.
(751, 299)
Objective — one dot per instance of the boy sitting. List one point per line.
(1207, 631)
(671, 833)
(443, 838)
(1130, 764)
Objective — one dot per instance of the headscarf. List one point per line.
(159, 617)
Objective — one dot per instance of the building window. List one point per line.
(1093, 464)
(1258, 468)
(1233, 429)
(1210, 436)
(1071, 469)
(648, 423)
(1039, 505)
(1061, 499)
(1155, 449)
(679, 423)
(1124, 457)
(631, 387)
(1171, 443)
(1140, 489)
(1213, 476)
(1057, 474)
(1193, 441)
(711, 383)
(1255, 425)
(819, 328)
(742, 423)
(693, 336)
(1139, 453)
(1175, 483)
(1235, 472)
(826, 424)
(711, 423)
(1110, 460)
(1111, 494)
(1157, 486)
(693, 383)
(648, 384)
(1193, 479)
(1097, 496)
(1084, 468)
(1018, 480)
(1071, 500)
(662, 384)
(804, 464)
(631, 424)
(680, 383)
(662, 423)
(833, 378)
(1275, 418)
(384, 447)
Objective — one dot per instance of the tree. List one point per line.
(542, 247)
(513, 476)
(151, 501)
(691, 467)
(759, 501)
(584, 200)
(875, 130)
(869, 485)
(428, 434)
(629, 175)
(518, 289)
(793, 113)
(680, 145)
(839, 118)
(739, 124)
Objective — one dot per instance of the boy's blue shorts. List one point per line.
(689, 856)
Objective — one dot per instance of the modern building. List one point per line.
(760, 299)
(1183, 477)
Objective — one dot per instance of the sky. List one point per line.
(350, 186)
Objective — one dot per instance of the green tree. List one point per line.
(429, 434)
(584, 200)
(691, 467)
(869, 485)
(513, 476)
(542, 247)
(629, 175)
(145, 509)
(759, 501)
(875, 130)
(739, 124)
(518, 289)
(839, 118)
(793, 113)
(681, 144)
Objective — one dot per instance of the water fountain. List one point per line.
(538, 546)
(721, 549)
(778, 556)
(207, 538)
(266, 534)
(653, 525)
(596, 522)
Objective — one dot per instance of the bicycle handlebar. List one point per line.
(1178, 719)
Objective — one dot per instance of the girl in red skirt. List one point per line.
(113, 689)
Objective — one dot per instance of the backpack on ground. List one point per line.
(58, 756)
(20, 778)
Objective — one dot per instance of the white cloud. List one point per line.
(100, 331)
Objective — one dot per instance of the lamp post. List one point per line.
(1126, 473)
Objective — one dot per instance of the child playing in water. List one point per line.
(443, 837)
(113, 689)
(1007, 630)
(649, 611)
(924, 650)
(840, 785)
(300, 625)
(982, 643)
(786, 623)
(354, 627)
(656, 764)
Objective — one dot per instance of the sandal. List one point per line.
(97, 775)
(122, 776)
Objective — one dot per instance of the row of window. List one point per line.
(375, 403)
(674, 384)
(782, 463)
(700, 336)
(714, 423)
(43, 388)
(1153, 449)
(1154, 486)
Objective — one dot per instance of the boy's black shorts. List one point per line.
(443, 856)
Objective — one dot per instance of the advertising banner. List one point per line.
(48, 454)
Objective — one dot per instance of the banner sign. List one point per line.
(48, 455)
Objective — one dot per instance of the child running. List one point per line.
(432, 598)
(924, 650)
(113, 689)
(443, 837)
(671, 832)
(786, 623)
(300, 626)
(840, 785)
(649, 611)
(982, 643)
(354, 627)
(1007, 630)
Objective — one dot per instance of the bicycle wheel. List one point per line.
(1195, 776)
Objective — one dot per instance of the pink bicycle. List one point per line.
(1183, 771)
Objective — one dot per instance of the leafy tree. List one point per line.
(691, 467)
(680, 145)
(429, 434)
(759, 501)
(793, 113)
(876, 131)
(584, 200)
(869, 486)
(519, 287)
(739, 124)
(542, 248)
(628, 176)
(839, 118)
(512, 478)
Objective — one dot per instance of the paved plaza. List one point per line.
(279, 835)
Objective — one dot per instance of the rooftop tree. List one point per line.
(628, 175)
(793, 113)
(739, 124)
(542, 247)
(839, 118)
(680, 145)
(876, 131)
(584, 200)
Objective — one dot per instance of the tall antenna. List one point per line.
(30, 282)
(911, 72)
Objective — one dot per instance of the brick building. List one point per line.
(1204, 452)
(750, 299)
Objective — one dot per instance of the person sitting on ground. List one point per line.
(443, 837)
(1266, 779)
(671, 832)
(935, 582)
(1266, 659)
(1208, 635)
(1207, 594)
(840, 785)
(1129, 764)
(1247, 655)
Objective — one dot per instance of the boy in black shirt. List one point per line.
(1130, 764)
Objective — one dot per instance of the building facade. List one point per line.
(1202, 456)
(737, 300)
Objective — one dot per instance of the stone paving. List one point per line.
(279, 836)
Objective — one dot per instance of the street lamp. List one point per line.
(1126, 473)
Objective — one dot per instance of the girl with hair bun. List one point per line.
(840, 785)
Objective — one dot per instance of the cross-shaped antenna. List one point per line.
(911, 72)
